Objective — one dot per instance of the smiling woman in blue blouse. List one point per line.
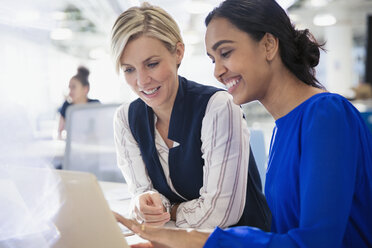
(319, 177)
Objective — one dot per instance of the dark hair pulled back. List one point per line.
(82, 75)
(298, 49)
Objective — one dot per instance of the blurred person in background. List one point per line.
(79, 87)
(183, 147)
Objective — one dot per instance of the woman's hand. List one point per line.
(147, 232)
(161, 237)
(149, 208)
(149, 245)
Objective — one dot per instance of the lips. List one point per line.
(232, 83)
(150, 91)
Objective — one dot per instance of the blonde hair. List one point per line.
(148, 20)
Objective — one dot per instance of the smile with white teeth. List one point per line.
(152, 91)
(232, 83)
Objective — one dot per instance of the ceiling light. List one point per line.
(58, 15)
(324, 20)
(61, 34)
(318, 3)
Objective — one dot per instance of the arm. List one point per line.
(62, 120)
(164, 237)
(147, 204)
(326, 180)
(225, 146)
(61, 126)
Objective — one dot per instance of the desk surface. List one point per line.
(118, 198)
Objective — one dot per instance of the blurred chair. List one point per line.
(259, 151)
(90, 143)
(367, 117)
(365, 108)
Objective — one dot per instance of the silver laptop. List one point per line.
(81, 218)
(85, 219)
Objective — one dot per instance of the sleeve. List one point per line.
(129, 158)
(327, 177)
(225, 149)
(63, 109)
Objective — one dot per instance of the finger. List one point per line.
(126, 222)
(148, 209)
(142, 245)
(140, 216)
(116, 215)
(146, 204)
(156, 200)
(157, 224)
(158, 245)
(156, 218)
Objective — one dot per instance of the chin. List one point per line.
(238, 100)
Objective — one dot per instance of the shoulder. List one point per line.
(329, 105)
(131, 110)
(195, 88)
(65, 104)
(332, 112)
(93, 100)
(63, 108)
(136, 103)
(220, 100)
(121, 113)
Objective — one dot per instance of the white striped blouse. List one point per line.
(225, 150)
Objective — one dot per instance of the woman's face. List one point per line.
(151, 70)
(240, 62)
(78, 92)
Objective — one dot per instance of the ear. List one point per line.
(271, 44)
(86, 89)
(180, 50)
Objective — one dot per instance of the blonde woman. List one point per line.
(183, 147)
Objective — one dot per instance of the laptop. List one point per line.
(85, 219)
(81, 218)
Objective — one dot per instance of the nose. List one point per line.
(219, 70)
(143, 78)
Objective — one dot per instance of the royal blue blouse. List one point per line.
(318, 180)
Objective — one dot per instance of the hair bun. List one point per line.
(83, 71)
(307, 48)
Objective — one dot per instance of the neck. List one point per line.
(163, 116)
(286, 92)
(164, 111)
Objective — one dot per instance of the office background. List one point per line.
(42, 43)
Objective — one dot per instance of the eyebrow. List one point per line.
(219, 43)
(145, 61)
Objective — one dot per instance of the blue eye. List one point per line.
(128, 70)
(152, 65)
